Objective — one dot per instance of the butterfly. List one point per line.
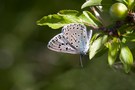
(73, 39)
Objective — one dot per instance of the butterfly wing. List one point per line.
(59, 44)
(77, 36)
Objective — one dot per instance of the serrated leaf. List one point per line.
(126, 57)
(91, 3)
(113, 51)
(64, 17)
(97, 46)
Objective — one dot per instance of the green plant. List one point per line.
(112, 37)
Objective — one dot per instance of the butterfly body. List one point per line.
(73, 39)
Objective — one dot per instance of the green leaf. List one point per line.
(91, 3)
(71, 15)
(97, 46)
(113, 51)
(126, 57)
(95, 36)
(54, 21)
(129, 37)
(64, 17)
(92, 18)
(130, 4)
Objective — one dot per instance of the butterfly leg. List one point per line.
(81, 63)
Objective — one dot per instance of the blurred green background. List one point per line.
(27, 64)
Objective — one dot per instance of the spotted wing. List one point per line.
(76, 35)
(59, 44)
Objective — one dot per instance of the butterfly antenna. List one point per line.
(81, 63)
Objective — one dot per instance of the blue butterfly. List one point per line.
(73, 39)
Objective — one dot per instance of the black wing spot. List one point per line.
(84, 37)
(71, 43)
(75, 33)
(60, 49)
(78, 41)
(59, 37)
(53, 41)
(66, 49)
(59, 45)
(66, 33)
(78, 35)
(63, 37)
(82, 26)
(73, 27)
(62, 43)
(76, 46)
(49, 46)
(75, 40)
(66, 43)
(71, 39)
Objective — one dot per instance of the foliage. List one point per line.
(113, 37)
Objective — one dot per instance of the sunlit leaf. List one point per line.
(91, 3)
(54, 21)
(64, 17)
(97, 46)
(126, 57)
(113, 51)
(92, 18)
